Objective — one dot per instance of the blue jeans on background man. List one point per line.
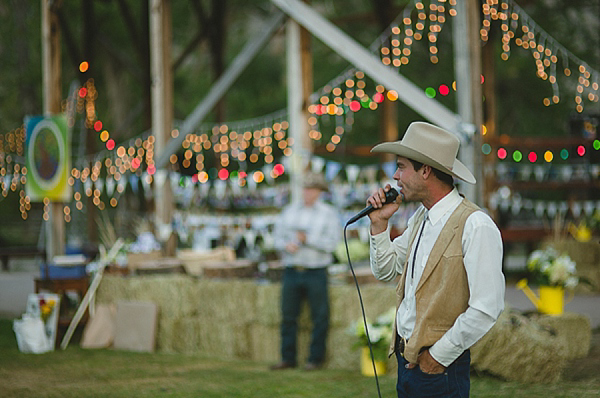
(310, 284)
(454, 382)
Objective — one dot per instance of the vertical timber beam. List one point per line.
(162, 114)
(467, 67)
(296, 108)
(55, 226)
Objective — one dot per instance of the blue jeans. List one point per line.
(310, 284)
(454, 382)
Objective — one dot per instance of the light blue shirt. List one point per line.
(321, 224)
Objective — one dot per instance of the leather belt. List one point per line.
(400, 344)
(301, 268)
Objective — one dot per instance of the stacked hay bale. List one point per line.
(531, 349)
(241, 319)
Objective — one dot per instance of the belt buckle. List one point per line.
(401, 345)
(299, 268)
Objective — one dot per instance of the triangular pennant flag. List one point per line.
(539, 172)
(267, 171)
(251, 184)
(588, 207)
(160, 177)
(220, 188)
(566, 172)
(576, 209)
(235, 186)
(332, 169)
(110, 186)
(122, 185)
(174, 179)
(317, 164)
(371, 174)
(205, 189)
(563, 207)
(133, 181)
(352, 171)
(552, 209)
(100, 185)
(525, 172)
(145, 183)
(389, 168)
(539, 209)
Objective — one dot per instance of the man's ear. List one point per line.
(426, 171)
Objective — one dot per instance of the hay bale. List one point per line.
(265, 343)
(166, 331)
(225, 300)
(224, 340)
(519, 349)
(574, 329)
(268, 304)
(345, 304)
(340, 354)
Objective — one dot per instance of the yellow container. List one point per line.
(552, 300)
(366, 366)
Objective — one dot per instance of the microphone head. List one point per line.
(391, 195)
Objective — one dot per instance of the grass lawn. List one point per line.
(106, 373)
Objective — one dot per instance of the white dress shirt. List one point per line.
(482, 253)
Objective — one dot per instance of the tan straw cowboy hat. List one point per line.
(432, 146)
(315, 180)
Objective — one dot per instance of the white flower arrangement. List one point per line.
(550, 268)
(380, 333)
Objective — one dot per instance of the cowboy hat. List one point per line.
(430, 145)
(315, 180)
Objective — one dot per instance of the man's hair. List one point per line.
(440, 175)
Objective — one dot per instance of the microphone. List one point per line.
(390, 196)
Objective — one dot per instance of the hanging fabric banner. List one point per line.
(47, 157)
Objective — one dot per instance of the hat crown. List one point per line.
(433, 142)
(430, 145)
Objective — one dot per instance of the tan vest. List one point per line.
(443, 291)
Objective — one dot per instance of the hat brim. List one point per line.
(459, 170)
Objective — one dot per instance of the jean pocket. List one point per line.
(431, 385)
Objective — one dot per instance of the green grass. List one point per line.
(107, 373)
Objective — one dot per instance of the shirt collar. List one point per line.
(444, 205)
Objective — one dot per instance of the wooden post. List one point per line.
(490, 115)
(55, 226)
(162, 110)
(467, 66)
(297, 102)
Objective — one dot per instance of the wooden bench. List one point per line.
(20, 251)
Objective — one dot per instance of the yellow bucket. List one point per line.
(552, 300)
(366, 366)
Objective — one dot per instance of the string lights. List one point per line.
(238, 147)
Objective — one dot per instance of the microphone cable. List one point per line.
(362, 307)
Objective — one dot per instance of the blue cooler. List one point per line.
(65, 267)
